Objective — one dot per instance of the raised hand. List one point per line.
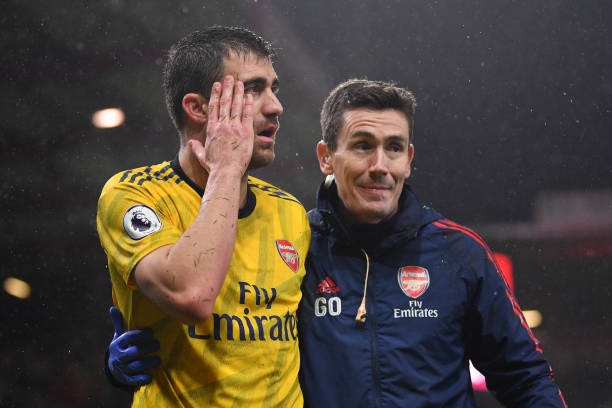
(127, 362)
(229, 130)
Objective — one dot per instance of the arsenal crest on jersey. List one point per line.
(413, 280)
(288, 253)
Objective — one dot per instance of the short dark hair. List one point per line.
(363, 93)
(195, 62)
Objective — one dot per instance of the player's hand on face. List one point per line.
(127, 360)
(229, 130)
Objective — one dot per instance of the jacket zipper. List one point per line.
(371, 322)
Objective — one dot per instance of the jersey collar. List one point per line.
(242, 213)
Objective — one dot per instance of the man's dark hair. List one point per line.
(362, 93)
(195, 62)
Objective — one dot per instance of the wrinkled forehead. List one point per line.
(247, 65)
(369, 121)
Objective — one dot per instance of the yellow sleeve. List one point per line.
(132, 221)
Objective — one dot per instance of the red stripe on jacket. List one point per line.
(446, 224)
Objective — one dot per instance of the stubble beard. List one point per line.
(262, 157)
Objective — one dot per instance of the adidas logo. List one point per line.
(327, 285)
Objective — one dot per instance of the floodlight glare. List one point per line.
(108, 118)
(533, 317)
(17, 287)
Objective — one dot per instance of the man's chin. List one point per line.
(262, 159)
(372, 214)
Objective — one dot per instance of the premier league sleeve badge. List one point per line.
(141, 220)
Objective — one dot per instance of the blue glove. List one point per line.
(126, 362)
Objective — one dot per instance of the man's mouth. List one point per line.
(267, 134)
(375, 189)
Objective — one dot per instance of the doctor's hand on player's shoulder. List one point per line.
(128, 362)
(229, 129)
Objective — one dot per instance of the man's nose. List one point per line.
(378, 163)
(271, 105)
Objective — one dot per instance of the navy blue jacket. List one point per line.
(435, 299)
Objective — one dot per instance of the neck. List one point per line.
(194, 170)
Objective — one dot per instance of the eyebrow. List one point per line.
(393, 138)
(400, 139)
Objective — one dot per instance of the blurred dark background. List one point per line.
(513, 138)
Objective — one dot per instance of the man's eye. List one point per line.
(275, 89)
(395, 148)
(253, 89)
(362, 146)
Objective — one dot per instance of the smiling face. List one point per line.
(370, 163)
(260, 80)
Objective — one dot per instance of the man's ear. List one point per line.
(195, 107)
(324, 154)
(410, 157)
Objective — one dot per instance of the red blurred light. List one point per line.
(505, 264)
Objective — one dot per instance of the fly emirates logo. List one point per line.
(416, 310)
(247, 326)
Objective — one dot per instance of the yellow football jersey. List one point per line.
(246, 354)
